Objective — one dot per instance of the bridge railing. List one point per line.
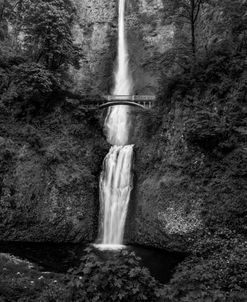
(134, 98)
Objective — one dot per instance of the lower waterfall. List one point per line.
(115, 188)
(116, 177)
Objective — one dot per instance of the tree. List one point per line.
(31, 88)
(186, 16)
(48, 39)
(188, 12)
(35, 54)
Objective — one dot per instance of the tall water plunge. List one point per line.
(116, 177)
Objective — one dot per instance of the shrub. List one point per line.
(32, 87)
(118, 279)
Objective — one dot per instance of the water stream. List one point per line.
(116, 177)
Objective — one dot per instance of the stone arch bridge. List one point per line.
(101, 102)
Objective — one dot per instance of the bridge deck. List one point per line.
(133, 98)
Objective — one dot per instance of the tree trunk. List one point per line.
(2, 7)
(193, 39)
(193, 34)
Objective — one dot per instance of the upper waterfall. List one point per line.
(117, 121)
(123, 80)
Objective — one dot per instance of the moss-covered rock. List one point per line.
(49, 178)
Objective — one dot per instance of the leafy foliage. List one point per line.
(33, 66)
(47, 33)
(31, 88)
(118, 279)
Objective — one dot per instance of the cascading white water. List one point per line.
(115, 188)
(116, 177)
(117, 122)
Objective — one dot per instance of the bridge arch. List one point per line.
(126, 103)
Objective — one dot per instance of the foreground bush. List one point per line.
(119, 279)
(102, 277)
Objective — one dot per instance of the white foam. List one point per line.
(110, 247)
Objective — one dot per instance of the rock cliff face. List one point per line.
(96, 32)
(166, 205)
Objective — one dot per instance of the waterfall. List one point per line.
(117, 123)
(116, 177)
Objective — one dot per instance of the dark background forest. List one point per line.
(190, 162)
